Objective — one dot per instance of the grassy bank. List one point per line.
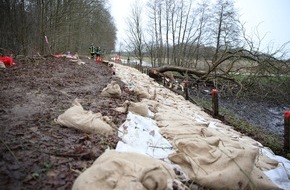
(246, 128)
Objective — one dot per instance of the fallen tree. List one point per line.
(238, 72)
(155, 72)
(195, 77)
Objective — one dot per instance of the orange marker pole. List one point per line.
(286, 130)
(215, 103)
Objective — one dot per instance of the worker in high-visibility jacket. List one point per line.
(92, 50)
(98, 52)
(98, 55)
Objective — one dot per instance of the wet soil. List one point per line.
(265, 115)
(35, 152)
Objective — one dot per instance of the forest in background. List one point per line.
(70, 25)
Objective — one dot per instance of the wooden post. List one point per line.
(186, 89)
(46, 40)
(215, 103)
(286, 130)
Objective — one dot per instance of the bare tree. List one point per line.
(155, 20)
(173, 25)
(225, 26)
(214, 36)
(203, 17)
(135, 35)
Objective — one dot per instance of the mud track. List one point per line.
(35, 152)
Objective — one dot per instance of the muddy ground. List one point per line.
(265, 115)
(35, 152)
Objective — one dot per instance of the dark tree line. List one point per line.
(70, 25)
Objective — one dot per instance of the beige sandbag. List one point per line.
(83, 120)
(141, 93)
(137, 108)
(216, 165)
(123, 170)
(112, 90)
(2, 65)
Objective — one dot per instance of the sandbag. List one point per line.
(141, 93)
(2, 65)
(217, 165)
(83, 120)
(124, 170)
(137, 108)
(112, 90)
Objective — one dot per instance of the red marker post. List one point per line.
(215, 103)
(286, 130)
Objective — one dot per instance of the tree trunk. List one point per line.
(156, 72)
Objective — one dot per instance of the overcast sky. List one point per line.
(272, 16)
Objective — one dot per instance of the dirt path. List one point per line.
(35, 152)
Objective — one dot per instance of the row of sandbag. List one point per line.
(118, 169)
(210, 153)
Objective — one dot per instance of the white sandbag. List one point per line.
(83, 120)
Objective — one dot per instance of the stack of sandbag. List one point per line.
(210, 153)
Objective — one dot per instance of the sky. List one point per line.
(271, 16)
